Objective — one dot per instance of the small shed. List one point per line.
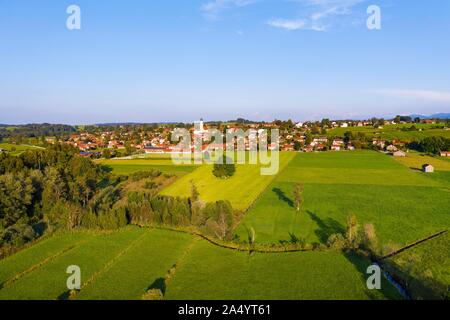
(428, 168)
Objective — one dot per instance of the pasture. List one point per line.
(163, 164)
(16, 149)
(395, 132)
(415, 160)
(404, 205)
(426, 267)
(214, 273)
(125, 264)
(241, 189)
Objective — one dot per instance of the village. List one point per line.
(326, 135)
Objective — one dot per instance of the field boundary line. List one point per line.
(110, 263)
(17, 277)
(416, 243)
(178, 263)
(252, 204)
(231, 247)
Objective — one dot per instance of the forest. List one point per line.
(55, 189)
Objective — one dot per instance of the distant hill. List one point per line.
(433, 116)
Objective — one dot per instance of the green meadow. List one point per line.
(125, 264)
(426, 268)
(163, 164)
(241, 189)
(16, 149)
(404, 205)
(395, 132)
(214, 273)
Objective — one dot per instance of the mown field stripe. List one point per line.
(172, 271)
(111, 262)
(10, 281)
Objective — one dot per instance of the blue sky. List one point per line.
(179, 60)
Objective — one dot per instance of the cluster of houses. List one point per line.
(297, 137)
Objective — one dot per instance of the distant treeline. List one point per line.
(37, 130)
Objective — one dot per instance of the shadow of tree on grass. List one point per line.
(327, 227)
(160, 284)
(282, 196)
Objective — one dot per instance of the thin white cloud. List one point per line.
(436, 96)
(294, 24)
(213, 8)
(318, 15)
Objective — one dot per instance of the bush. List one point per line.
(336, 241)
(151, 185)
(153, 294)
(17, 235)
(137, 176)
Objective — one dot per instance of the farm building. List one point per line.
(379, 143)
(391, 148)
(399, 154)
(152, 149)
(445, 154)
(428, 168)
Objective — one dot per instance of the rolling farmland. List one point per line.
(402, 203)
(241, 189)
(125, 264)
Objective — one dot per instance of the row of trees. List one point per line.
(356, 238)
(431, 145)
(150, 209)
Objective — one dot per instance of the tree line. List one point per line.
(46, 190)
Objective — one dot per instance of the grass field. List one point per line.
(49, 280)
(124, 264)
(18, 149)
(402, 204)
(392, 132)
(212, 273)
(426, 266)
(415, 161)
(241, 189)
(163, 164)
